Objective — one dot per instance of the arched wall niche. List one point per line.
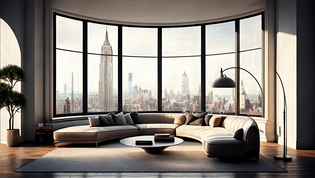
(10, 53)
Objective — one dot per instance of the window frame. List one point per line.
(202, 56)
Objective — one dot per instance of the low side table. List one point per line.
(44, 133)
(156, 147)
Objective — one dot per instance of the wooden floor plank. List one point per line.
(12, 158)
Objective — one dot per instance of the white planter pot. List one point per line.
(13, 137)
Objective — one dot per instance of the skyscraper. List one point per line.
(185, 87)
(243, 95)
(105, 87)
(72, 99)
(130, 86)
(66, 106)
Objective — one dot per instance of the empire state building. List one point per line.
(105, 84)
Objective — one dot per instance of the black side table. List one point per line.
(45, 133)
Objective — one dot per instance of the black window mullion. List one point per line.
(120, 63)
(85, 69)
(263, 62)
(54, 67)
(237, 64)
(203, 68)
(159, 69)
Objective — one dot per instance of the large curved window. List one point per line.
(68, 63)
(250, 59)
(220, 53)
(181, 78)
(101, 68)
(139, 69)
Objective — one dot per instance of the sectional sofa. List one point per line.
(221, 136)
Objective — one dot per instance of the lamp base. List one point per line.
(282, 157)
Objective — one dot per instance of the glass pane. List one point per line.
(139, 84)
(250, 33)
(181, 85)
(219, 100)
(220, 38)
(99, 35)
(68, 82)
(139, 41)
(250, 93)
(102, 83)
(68, 33)
(182, 41)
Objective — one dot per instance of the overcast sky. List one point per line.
(220, 38)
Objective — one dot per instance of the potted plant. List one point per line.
(11, 100)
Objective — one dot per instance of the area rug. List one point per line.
(115, 157)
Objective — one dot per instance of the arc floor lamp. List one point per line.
(225, 82)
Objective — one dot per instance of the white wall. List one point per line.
(286, 63)
(10, 53)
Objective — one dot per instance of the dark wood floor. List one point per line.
(11, 158)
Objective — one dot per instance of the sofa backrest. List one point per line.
(147, 118)
(251, 132)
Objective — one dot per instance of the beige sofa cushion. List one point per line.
(87, 133)
(149, 129)
(215, 121)
(180, 119)
(94, 121)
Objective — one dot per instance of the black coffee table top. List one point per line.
(131, 141)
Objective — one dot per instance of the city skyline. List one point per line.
(181, 47)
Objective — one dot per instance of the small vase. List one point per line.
(13, 137)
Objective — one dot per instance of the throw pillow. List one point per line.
(189, 118)
(238, 134)
(198, 121)
(207, 119)
(135, 117)
(200, 114)
(94, 121)
(108, 118)
(128, 119)
(119, 119)
(104, 121)
(180, 119)
(215, 121)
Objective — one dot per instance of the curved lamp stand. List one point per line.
(284, 157)
(225, 82)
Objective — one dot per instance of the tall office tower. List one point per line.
(65, 88)
(130, 86)
(243, 95)
(105, 83)
(135, 92)
(185, 87)
(66, 106)
(72, 103)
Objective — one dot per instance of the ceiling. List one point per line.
(159, 12)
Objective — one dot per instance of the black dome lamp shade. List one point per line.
(223, 82)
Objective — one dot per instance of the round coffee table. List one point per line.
(156, 147)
